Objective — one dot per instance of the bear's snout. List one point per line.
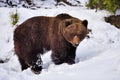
(76, 44)
(75, 41)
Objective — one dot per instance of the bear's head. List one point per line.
(74, 30)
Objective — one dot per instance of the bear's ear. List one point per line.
(68, 22)
(85, 23)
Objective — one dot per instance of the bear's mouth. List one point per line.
(76, 44)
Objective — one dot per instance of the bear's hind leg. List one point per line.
(35, 62)
(23, 64)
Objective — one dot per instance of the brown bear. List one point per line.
(61, 34)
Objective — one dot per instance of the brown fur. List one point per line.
(61, 34)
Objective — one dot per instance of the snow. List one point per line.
(97, 58)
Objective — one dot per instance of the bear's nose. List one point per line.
(76, 44)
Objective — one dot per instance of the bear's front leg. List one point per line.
(58, 58)
(70, 57)
(64, 56)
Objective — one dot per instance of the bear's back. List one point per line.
(63, 16)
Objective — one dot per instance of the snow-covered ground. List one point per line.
(97, 58)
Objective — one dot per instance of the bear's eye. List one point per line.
(73, 35)
(79, 35)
